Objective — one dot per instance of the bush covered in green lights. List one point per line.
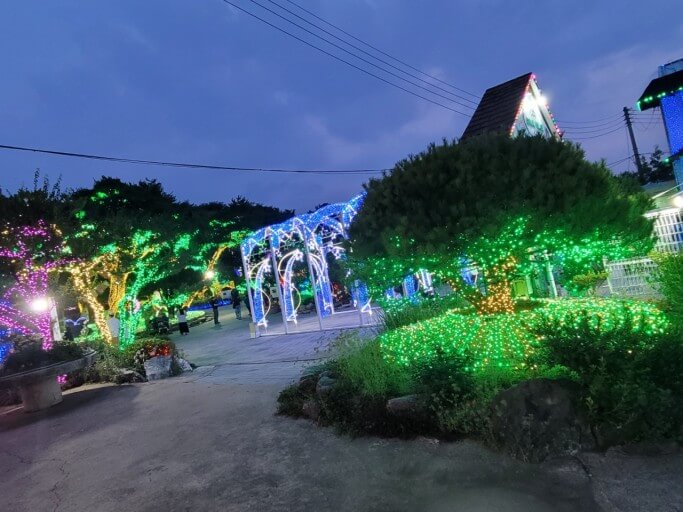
(405, 311)
(507, 341)
(493, 340)
(625, 358)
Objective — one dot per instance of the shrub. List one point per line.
(599, 315)
(507, 341)
(630, 381)
(669, 279)
(107, 365)
(28, 354)
(290, 401)
(134, 355)
(400, 312)
(367, 371)
(493, 340)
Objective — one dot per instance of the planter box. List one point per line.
(39, 388)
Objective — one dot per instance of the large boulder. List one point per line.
(538, 419)
(158, 367)
(183, 364)
(406, 406)
(325, 385)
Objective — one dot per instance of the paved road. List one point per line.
(210, 441)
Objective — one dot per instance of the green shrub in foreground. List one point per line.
(631, 384)
(363, 366)
(669, 280)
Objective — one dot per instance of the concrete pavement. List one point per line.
(210, 441)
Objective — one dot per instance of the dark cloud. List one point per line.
(198, 81)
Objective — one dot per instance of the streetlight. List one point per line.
(40, 304)
(678, 201)
(209, 275)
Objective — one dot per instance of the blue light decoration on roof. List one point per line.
(672, 109)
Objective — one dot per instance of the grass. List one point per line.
(625, 358)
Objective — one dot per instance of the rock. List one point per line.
(307, 384)
(311, 409)
(406, 406)
(538, 419)
(129, 376)
(325, 385)
(183, 364)
(314, 370)
(158, 367)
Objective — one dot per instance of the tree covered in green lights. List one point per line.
(489, 204)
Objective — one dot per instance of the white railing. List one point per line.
(635, 277)
(631, 278)
(668, 228)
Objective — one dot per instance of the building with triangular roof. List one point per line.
(513, 107)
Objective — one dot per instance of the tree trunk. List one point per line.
(498, 296)
(83, 284)
(117, 290)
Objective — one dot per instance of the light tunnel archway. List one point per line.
(274, 252)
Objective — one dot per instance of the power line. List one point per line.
(395, 75)
(584, 130)
(136, 161)
(592, 122)
(618, 161)
(382, 52)
(369, 54)
(597, 136)
(343, 60)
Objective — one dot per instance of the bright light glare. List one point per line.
(542, 101)
(678, 201)
(40, 304)
(209, 274)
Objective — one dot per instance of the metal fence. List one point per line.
(668, 228)
(632, 278)
(636, 277)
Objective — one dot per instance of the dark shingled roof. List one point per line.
(660, 87)
(497, 110)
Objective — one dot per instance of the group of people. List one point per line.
(236, 300)
(183, 327)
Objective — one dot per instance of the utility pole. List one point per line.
(636, 154)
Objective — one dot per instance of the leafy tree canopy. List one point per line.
(491, 200)
(654, 170)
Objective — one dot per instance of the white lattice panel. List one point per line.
(669, 229)
(632, 278)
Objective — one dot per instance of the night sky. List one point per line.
(198, 81)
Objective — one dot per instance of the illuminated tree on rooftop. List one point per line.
(488, 204)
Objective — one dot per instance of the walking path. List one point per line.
(209, 440)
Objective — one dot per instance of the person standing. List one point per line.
(236, 303)
(114, 326)
(183, 328)
(246, 302)
(214, 306)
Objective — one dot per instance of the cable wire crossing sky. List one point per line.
(298, 90)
